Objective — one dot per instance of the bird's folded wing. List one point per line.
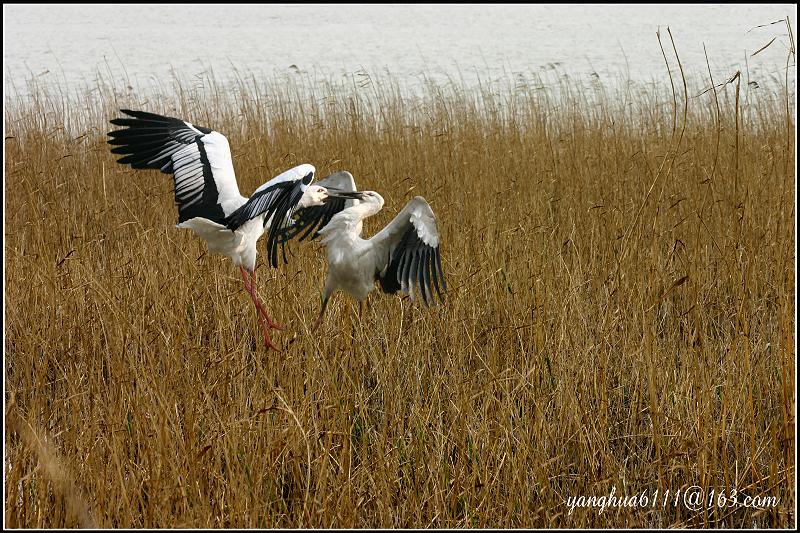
(276, 200)
(314, 218)
(408, 253)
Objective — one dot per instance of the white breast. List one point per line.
(351, 266)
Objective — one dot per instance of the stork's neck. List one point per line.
(346, 226)
(365, 209)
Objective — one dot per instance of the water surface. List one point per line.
(145, 45)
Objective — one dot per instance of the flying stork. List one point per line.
(207, 195)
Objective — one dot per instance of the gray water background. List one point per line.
(145, 46)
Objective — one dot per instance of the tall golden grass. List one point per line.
(620, 316)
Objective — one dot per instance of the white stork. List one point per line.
(208, 198)
(404, 255)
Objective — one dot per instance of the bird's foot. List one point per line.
(263, 316)
(268, 344)
(268, 321)
(268, 341)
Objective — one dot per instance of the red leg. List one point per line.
(244, 278)
(267, 339)
(251, 289)
(272, 324)
(265, 321)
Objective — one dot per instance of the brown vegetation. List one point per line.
(621, 314)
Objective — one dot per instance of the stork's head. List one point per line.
(370, 197)
(316, 195)
(313, 195)
(367, 203)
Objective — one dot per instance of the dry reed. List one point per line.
(621, 313)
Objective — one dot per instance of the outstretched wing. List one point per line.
(408, 253)
(199, 158)
(276, 200)
(314, 218)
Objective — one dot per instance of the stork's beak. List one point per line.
(345, 195)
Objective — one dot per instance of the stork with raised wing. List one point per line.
(404, 256)
(207, 195)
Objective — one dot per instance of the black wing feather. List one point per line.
(435, 273)
(168, 144)
(312, 219)
(426, 276)
(439, 270)
(276, 203)
(413, 264)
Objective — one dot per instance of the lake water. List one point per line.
(145, 45)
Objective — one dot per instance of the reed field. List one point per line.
(620, 317)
